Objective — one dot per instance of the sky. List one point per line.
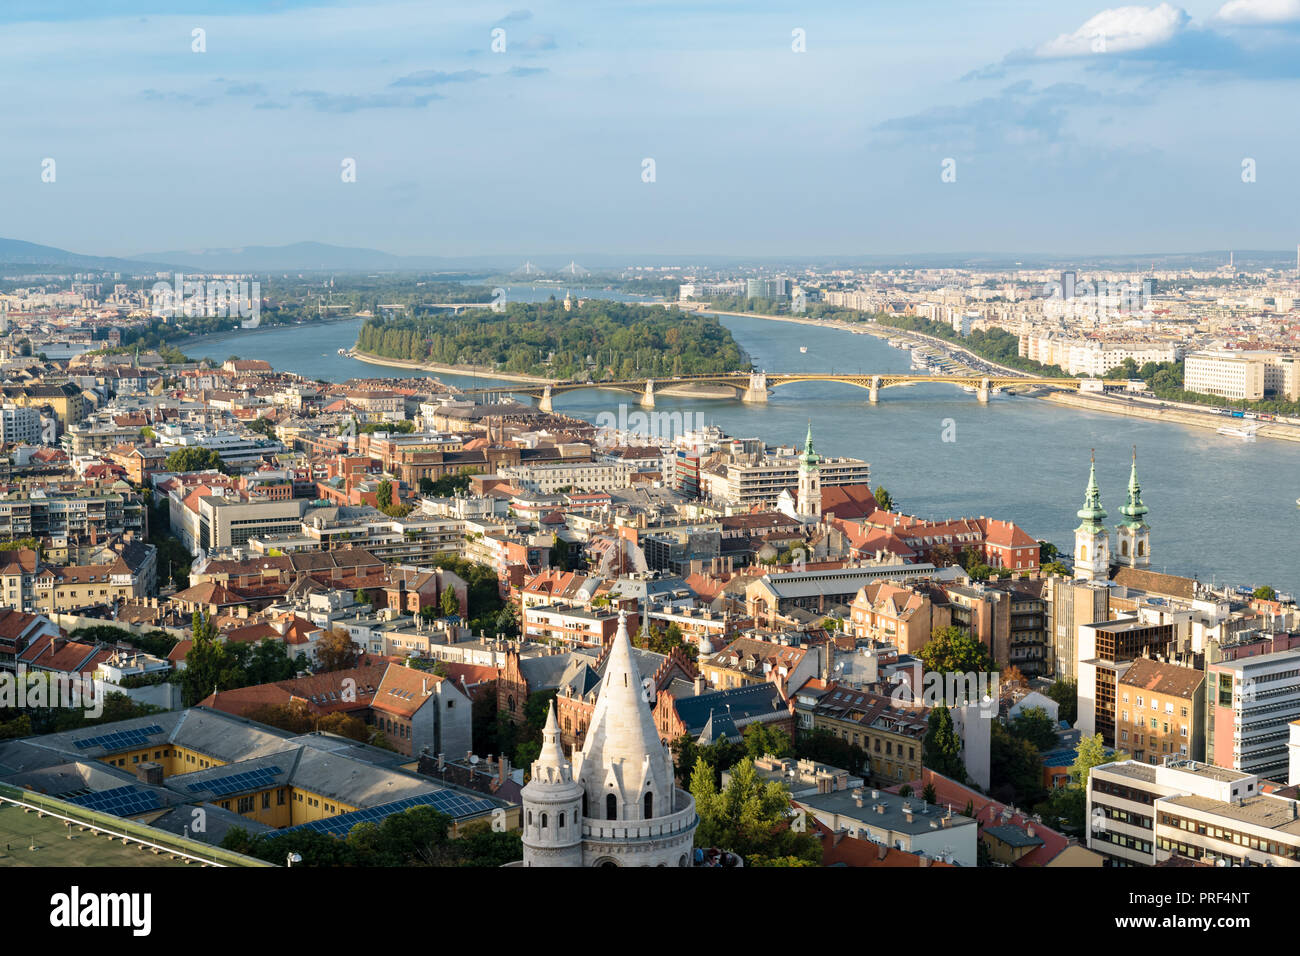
(525, 128)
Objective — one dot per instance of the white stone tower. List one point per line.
(633, 812)
(1091, 539)
(552, 805)
(1133, 534)
(808, 506)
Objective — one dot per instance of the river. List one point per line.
(1221, 509)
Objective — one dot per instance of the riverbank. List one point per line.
(1089, 402)
(1180, 416)
(448, 369)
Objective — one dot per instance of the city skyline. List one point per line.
(1071, 130)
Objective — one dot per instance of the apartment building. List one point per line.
(572, 626)
(762, 483)
(563, 476)
(1141, 815)
(1235, 375)
(1106, 650)
(19, 425)
(1250, 703)
(82, 513)
(1161, 712)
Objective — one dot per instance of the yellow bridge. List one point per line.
(755, 386)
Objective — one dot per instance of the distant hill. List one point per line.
(17, 256)
(313, 257)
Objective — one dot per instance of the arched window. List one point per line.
(543, 821)
(510, 701)
(649, 804)
(530, 817)
(584, 805)
(1083, 556)
(1123, 548)
(611, 807)
(1142, 548)
(561, 819)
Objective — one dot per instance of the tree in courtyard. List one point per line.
(749, 816)
(335, 651)
(884, 500)
(763, 740)
(953, 650)
(941, 748)
(449, 603)
(1034, 725)
(1066, 694)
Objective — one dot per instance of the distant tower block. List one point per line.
(1091, 540)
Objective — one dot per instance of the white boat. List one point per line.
(803, 349)
(1244, 432)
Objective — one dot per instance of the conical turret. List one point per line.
(1134, 511)
(623, 757)
(1092, 514)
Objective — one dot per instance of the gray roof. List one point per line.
(739, 705)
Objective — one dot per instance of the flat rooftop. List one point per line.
(20, 830)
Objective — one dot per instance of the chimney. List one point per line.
(699, 685)
(882, 851)
(503, 770)
(442, 762)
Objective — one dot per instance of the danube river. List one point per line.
(1222, 510)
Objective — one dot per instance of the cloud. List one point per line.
(539, 41)
(438, 77)
(1119, 30)
(163, 96)
(515, 16)
(351, 103)
(245, 89)
(1259, 12)
(526, 70)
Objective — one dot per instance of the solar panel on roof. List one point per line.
(450, 802)
(120, 801)
(235, 782)
(121, 739)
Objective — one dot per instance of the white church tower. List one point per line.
(808, 507)
(632, 812)
(552, 804)
(1091, 539)
(1133, 534)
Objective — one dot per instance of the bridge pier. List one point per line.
(873, 395)
(982, 392)
(544, 403)
(648, 399)
(757, 390)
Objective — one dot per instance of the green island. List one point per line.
(596, 341)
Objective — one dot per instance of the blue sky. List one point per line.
(1075, 128)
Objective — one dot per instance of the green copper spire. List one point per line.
(1092, 513)
(1134, 511)
(809, 457)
